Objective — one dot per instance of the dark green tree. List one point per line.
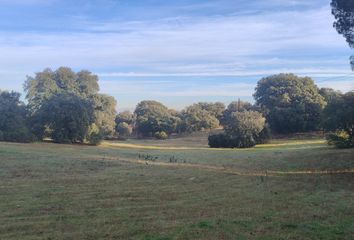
(68, 117)
(195, 118)
(343, 12)
(104, 114)
(290, 103)
(47, 84)
(13, 119)
(244, 129)
(338, 117)
(152, 117)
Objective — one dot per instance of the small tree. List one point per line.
(242, 130)
(124, 130)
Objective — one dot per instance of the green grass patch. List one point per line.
(51, 191)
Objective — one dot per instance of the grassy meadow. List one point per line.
(176, 189)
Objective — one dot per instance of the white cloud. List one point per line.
(302, 42)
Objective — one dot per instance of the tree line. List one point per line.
(66, 107)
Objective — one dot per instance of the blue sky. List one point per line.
(177, 52)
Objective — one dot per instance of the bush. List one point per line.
(340, 140)
(219, 141)
(223, 140)
(161, 135)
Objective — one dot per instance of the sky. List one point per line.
(176, 52)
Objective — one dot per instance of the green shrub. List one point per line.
(161, 135)
(220, 140)
(223, 140)
(340, 140)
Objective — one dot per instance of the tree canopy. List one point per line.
(152, 117)
(242, 130)
(215, 109)
(67, 116)
(46, 87)
(343, 11)
(290, 103)
(235, 106)
(197, 118)
(339, 116)
(63, 80)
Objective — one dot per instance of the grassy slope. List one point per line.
(50, 191)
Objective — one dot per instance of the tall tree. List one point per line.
(63, 80)
(47, 84)
(343, 11)
(290, 103)
(13, 121)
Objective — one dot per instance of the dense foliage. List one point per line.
(68, 118)
(215, 109)
(124, 130)
(13, 121)
(235, 106)
(338, 117)
(48, 86)
(196, 118)
(290, 103)
(152, 117)
(242, 130)
(343, 11)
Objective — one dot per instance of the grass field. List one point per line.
(176, 189)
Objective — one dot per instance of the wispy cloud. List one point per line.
(253, 42)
